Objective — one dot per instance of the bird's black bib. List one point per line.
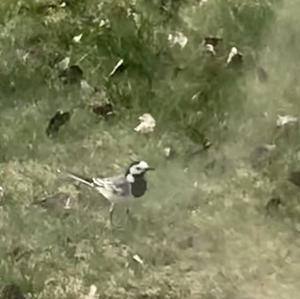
(139, 186)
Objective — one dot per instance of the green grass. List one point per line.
(202, 230)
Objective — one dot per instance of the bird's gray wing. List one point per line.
(117, 184)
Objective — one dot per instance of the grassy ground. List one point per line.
(203, 230)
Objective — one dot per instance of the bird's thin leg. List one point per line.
(130, 216)
(111, 210)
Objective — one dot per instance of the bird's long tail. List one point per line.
(87, 181)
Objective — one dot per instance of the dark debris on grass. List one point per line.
(59, 119)
(72, 75)
(103, 109)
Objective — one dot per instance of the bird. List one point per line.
(120, 188)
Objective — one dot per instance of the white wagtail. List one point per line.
(121, 188)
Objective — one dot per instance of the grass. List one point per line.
(202, 231)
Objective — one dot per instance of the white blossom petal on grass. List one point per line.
(283, 120)
(167, 152)
(211, 43)
(138, 259)
(104, 23)
(235, 58)
(210, 48)
(63, 64)
(178, 38)
(195, 97)
(116, 67)
(77, 38)
(232, 53)
(147, 124)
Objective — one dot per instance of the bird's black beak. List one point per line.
(150, 168)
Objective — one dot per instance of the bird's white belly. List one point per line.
(114, 198)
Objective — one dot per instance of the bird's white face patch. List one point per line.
(139, 168)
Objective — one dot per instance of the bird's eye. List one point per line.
(138, 168)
